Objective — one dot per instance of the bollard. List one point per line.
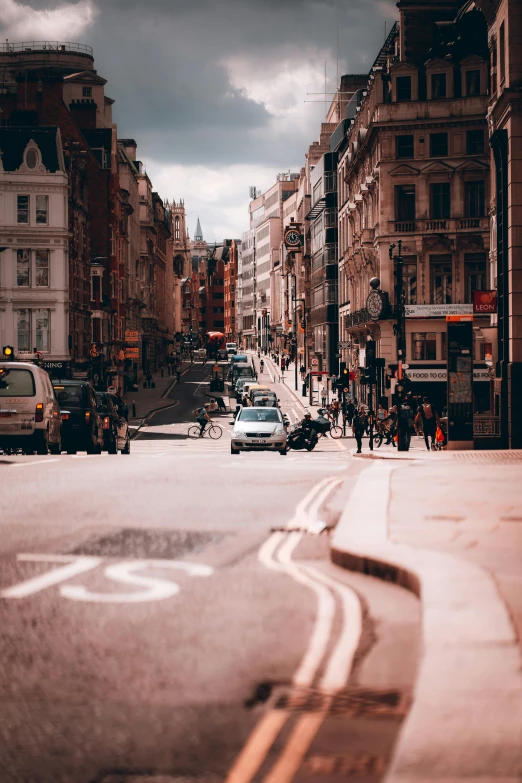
(161, 370)
(133, 409)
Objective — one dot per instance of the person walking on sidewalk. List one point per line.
(430, 419)
(350, 410)
(360, 422)
(178, 372)
(302, 370)
(287, 362)
(283, 364)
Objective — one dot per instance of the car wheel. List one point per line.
(42, 447)
(282, 452)
(113, 447)
(56, 448)
(72, 451)
(126, 448)
(234, 451)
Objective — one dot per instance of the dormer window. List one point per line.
(472, 83)
(31, 158)
(438, 85)
(403, 88)
(87, 92)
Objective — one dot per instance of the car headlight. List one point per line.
(237, 433)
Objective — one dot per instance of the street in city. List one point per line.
(176, 614)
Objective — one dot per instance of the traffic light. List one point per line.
(343, 371)
(371, 352)
(8, 351)
(363, 377)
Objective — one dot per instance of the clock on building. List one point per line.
(292, 238)
(375, 304)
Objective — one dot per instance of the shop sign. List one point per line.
(132, 353)
(484, 302)
(421, 375)
(131, 336)
(437, 311)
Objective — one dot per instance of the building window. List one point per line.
(476, 274)
(87, 92)
(409, 278)
(475, 142)
(440, 200)
(438, 145)
(318, 296)
(23, 267)
(24, 330)
(403, 86)
(331, 292)
(41, 318)
(424, 346)
(22, 209)
(404, 146)
(218, 309)
(441, 279)
(42, 210)
(486, 351)
(438, 85)
(42, 268)
(404, 202)
(31, 158)
(474, 199)
(472, 83)
(502, 53)
(176, 228)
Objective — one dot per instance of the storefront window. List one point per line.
(424, 346)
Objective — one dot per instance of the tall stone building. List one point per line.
(413, 166)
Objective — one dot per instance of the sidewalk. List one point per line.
(448, 526)
(148, 400)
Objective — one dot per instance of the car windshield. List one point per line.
(17, 383)
(258, 414)
(69, 395)
(245, 372)
(102, 400)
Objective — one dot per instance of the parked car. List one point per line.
(259, 429)
(82, 428)
(116, 436)
(29, 413)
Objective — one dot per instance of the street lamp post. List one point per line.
(400, 333)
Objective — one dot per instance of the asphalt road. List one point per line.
(172, 615)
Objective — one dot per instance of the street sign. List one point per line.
(315, 362)
(112, 390)
(346, 390)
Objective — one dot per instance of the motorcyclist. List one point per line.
(308, 428)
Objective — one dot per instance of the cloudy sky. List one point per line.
(213, 91)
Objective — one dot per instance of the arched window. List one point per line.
(176, 228)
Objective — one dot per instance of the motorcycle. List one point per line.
(301, 438)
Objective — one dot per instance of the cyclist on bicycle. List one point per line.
(202, 419)
(261, 365)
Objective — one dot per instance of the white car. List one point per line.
(201, 354)
(259, 429)
(29, 413)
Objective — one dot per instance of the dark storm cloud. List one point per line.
(164, 61)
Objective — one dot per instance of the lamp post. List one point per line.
(400, 333)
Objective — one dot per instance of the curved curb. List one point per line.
(465, 723)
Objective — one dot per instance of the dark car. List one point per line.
(81, 422)
(113, 412)
(222, 355)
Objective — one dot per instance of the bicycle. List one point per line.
(214, 432)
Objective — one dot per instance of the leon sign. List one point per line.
(484, 302)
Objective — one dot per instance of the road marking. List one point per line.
(317, 646)
(33, 462)
(302, 736)
(75, 565)
(307, 509)
(256, 749)
(341, 660)
(123, 573)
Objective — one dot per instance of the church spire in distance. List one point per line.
(198, 236)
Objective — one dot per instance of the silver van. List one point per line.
(29, 413)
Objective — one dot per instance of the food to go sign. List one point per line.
(484, 302)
